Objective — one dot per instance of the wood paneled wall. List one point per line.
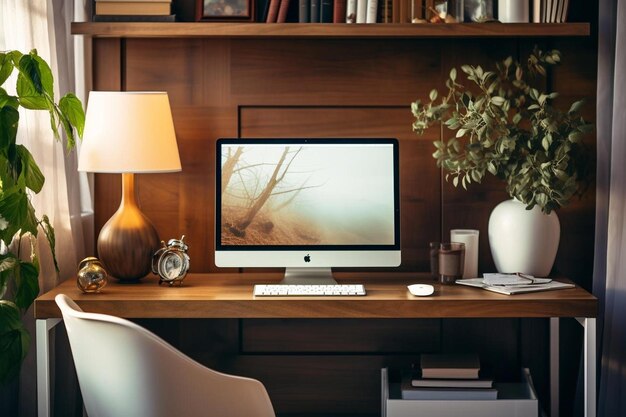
(334, 88)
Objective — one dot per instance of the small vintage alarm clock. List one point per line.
(171, 261)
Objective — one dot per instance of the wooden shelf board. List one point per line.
(317, 30)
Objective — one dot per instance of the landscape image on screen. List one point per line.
(307, 194)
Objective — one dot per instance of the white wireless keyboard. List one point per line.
(277, 290)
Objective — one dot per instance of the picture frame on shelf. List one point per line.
(225, 10)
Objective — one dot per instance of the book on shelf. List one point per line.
(515, 289)
(133, 8)
(272, 11)
(133, 18)
(372, 9)
(262, 7)
(339, 11)
(314, 13)
(385, 11)
(351, 11)
(304, 8)
(326, 11)
(450, 365)
(282, 11)
(361, 11)
(409, 392)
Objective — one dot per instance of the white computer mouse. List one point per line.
(421, 290)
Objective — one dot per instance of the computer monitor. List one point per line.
(307, 205)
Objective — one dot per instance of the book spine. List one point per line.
(536, 11)
(351, 11)
(326, 11)
(272, 12)
(314, 13)
(565, 11)
(133, 18)
(304, 7)
(132, 8)
(372, 8)
(361, 11)
(282, 11)
(339, 11)
(417, 10)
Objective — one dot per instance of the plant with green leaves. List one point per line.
(504, 125)
(20, 177)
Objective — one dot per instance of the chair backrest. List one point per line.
(125, 370)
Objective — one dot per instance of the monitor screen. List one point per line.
(307, 202)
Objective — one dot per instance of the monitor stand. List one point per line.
(308, 276)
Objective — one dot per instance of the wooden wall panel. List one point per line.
(332, 72)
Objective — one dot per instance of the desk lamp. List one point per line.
(128, 133)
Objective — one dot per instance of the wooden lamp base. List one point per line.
(128, 240)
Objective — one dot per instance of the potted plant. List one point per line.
(501, 123)
(20, 177)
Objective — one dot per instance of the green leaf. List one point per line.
(576, 106)
(467, 69)
(460, 132)
(453, 74)
(27, 283)
(9, 121)
(14, 341)
(30, 83)
(47, 80)
(33, 177)
(50, 236)
(575, 137)
(433, 95)
(455, 181)
(18, 213)
(6, 67)
(29, 69)
(498, 101)
(72, 109)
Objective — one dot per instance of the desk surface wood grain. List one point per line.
(230, 296)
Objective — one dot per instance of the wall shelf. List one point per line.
(317, 30)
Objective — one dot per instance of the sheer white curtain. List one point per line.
(610, 254)
(45, 25)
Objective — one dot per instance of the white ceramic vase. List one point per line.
(523, 240)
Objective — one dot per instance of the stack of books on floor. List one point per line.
(447, 377)
(133, 11)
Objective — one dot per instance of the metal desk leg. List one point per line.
(43, 327)
(589, 341)
(554, 366)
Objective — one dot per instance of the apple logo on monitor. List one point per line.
(307, 258)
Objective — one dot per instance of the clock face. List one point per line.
(172, 266)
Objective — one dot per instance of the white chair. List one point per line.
(126, 371)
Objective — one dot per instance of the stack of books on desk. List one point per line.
(133, 11)
(447, 377)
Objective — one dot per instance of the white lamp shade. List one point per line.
(128, 132)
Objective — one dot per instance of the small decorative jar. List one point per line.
(92, 276)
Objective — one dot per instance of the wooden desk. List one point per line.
(230, 296)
